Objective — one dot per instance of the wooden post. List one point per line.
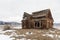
(34, 24)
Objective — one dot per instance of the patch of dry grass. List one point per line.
(7, 33)
(36, 34)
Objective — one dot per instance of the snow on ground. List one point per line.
(23, 39)
(5, 37)
(57, 26)
(17, 27)
(50, 35)
(28, 33)
(1, 32)
(10, 30)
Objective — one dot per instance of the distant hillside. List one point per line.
(2, 22)
(9, 23)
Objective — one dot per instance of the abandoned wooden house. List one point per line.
(38, 20)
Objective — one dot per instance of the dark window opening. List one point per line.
(36, 24)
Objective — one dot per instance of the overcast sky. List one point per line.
(12, 10)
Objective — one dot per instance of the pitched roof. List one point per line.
(41, 12)
(26, 14)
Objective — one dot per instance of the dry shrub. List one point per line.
(7, 27)
(7, 33)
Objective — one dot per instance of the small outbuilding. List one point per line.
(38, 20)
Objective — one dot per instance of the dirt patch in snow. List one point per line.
(34, 34)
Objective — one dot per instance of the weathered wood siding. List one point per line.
(38, 20)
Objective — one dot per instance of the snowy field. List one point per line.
(22, 34)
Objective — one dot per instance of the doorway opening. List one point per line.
(37, 24)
